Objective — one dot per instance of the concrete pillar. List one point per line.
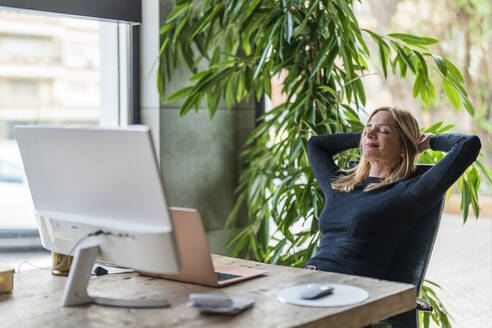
(199, 157)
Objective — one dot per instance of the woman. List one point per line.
(370, 208)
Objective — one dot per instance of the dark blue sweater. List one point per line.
(361, 230)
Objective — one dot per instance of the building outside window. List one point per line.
(49, 75)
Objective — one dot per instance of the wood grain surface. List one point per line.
(35, 301)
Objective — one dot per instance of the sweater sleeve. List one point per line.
(320, 152)
(462, 150)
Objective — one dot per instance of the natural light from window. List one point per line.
(49, 75)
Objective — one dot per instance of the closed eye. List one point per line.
(381, 130)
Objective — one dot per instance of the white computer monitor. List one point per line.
(99, 191)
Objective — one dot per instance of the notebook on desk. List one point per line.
(196, 262)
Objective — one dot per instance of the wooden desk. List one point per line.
(35, 301)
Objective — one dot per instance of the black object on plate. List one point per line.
(314, 291)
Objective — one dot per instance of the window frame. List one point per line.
(115, 10)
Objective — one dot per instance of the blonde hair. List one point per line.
(408, 131)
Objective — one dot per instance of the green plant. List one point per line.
(320, 47)
(440, 315)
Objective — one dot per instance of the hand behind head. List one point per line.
(424, 142)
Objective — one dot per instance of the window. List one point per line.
(50, 74)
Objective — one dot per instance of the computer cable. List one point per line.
(92, 234)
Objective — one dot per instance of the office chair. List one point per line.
(412, 257)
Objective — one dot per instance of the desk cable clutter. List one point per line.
(213, 303)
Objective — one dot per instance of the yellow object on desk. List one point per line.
(6, 278)
(61, 264)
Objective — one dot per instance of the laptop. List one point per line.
(197, 265)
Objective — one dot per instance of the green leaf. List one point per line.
(487, 173)
(418, 85)
(441, 64)
(161, 82)
(215, 57)
(446, 128)
(412, 39)
(452, 94)
(461, 91)
(295, 151)
(404, 59)
(288, 26)
(240, 91)
(423, 64)
(474, 185)
(200, 75)
(225, 63)
(468, 106)
(394, 63)
(434, 128)
(229, 92)
(259, 90)
(206, 19)
(313, 6)
(166, 28)
(163, 46)
(278, 250)
(430, 86)
(188, 104)
(265, 232)
(262, 59)
(426, 319)
(253, 244)
(360, 91)
(252, 7)
(453, 70)
(232, 217)
(179, 94)
(240, 245)
(176, 12)
(268, 83)
(425, 96)
(465, 198)
(212, 100)
(384, 59)
(180, 27)
(254, 187)
(248, 78)
(328, 89)
(321, 55)
(432, 283)
(374, 35)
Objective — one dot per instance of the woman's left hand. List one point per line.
(424, 141)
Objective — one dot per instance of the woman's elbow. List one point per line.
(312, 143)
(474, 146)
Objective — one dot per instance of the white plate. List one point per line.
(342, 295)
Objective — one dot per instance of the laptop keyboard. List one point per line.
(221, 276)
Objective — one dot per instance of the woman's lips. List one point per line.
(371, 144)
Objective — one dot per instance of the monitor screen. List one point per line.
(97, 187)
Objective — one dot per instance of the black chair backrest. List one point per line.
(412, 256)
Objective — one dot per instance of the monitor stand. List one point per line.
(75, 292)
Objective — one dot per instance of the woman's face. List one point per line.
(381, 140)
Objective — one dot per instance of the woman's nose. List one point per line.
(370, 133)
